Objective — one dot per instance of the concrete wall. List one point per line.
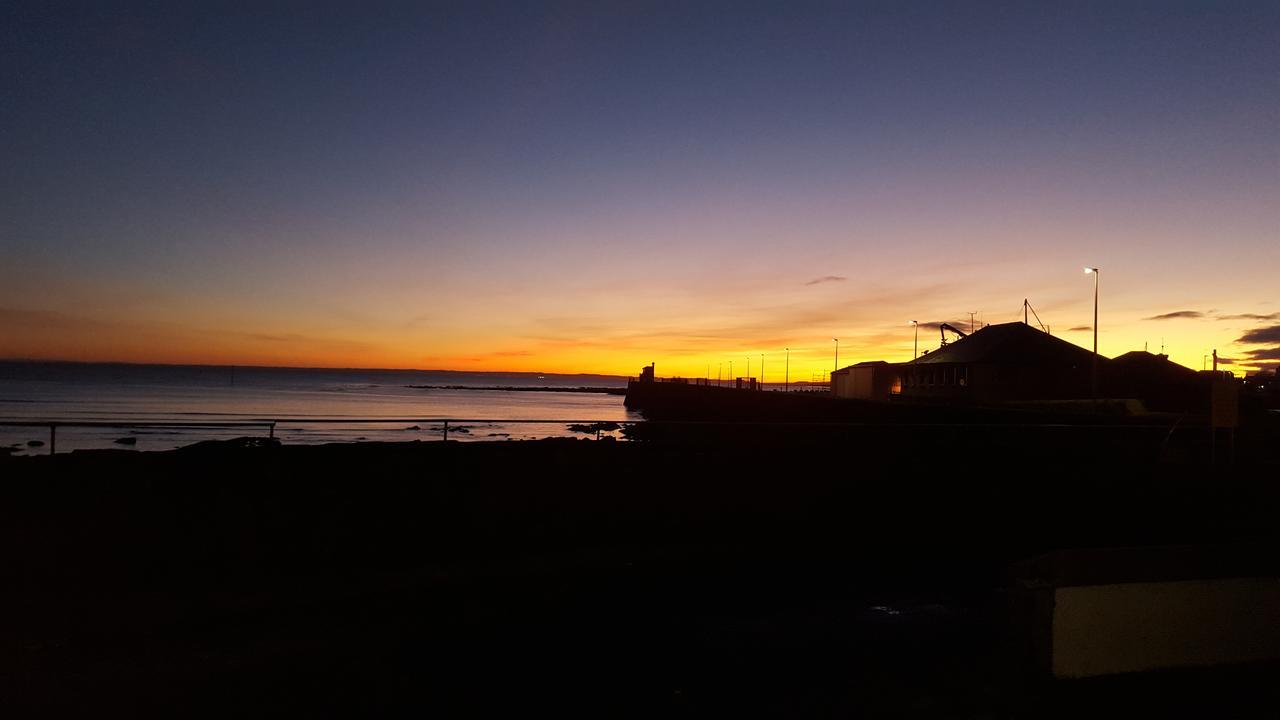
(1133, 627)
(1105, 611)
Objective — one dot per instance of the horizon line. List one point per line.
(294, 367)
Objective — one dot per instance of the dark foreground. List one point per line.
(789, 577)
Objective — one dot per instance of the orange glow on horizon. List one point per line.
(1188, 346)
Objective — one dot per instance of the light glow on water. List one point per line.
(69, 393)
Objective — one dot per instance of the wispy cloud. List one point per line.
(962, 325)
(310, 342)
(826, 279)
(1080, 328)
(1270, 334)
(1271, 353)
(1177, 315)
(1250, 316)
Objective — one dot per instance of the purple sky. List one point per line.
(592, 186)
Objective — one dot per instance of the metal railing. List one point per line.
(458, 423)
(53, 425)
(794, 386)
(270, 424)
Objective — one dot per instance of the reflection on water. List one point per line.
(139, 395)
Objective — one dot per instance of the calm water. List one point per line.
(56, 391)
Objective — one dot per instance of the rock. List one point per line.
(594, 427)
(232, 445)
(126, 441)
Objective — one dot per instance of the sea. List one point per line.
(309, 406)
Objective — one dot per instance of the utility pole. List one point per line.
(786, 383)
(971, 322)
(762, 371)
(1094, 271)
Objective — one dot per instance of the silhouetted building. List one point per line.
(1262, 388)
(870, 380)
(1001, 363)
(1159, 383)
(1014, 362)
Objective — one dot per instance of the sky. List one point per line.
(594, 186)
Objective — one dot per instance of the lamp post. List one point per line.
(915, 344)
(837, 342)
(719, 370)
(748, 367)
(1094, 272)
(762, 372)
(786, 381)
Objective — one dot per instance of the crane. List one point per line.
(944, 327)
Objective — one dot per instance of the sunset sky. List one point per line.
(589, 187)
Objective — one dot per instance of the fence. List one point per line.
(599, 425)
(270, 424)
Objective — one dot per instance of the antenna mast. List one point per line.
(1026, 305)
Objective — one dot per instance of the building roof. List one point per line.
(1151, 365)
(864, 363)
(1008, 343)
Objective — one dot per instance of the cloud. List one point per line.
(962, 325)
(1080, 328)
(1271, 353)
(1250, 316)
(1270, 334)
(1178, 315)
(826, 279)
(309, 342)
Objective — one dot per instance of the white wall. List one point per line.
(1130, 627)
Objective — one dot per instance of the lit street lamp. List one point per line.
(1094, 272)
